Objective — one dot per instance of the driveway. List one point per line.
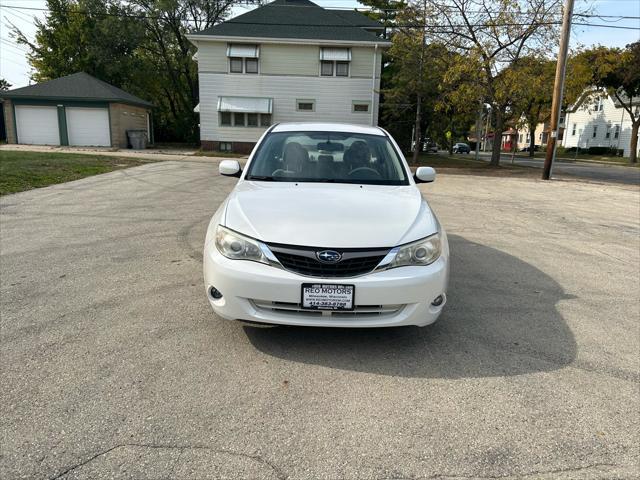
(114, 366)
(585, 170)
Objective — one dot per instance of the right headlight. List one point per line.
(420, 252)
(236, 246)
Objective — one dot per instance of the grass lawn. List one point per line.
(583, 157)
(465, 164)
(20, 171)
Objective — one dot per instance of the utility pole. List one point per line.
(558, 88)
(417, 149)
(478, 128)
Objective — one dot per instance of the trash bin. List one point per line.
(137, 139)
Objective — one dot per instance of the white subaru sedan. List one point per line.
(326, 227)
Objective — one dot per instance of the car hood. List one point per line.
(329, 215)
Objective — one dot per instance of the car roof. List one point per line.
(328, 127)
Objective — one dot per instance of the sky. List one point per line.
(15, 68)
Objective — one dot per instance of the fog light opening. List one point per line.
(215, 293)
(437, 301)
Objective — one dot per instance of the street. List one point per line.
(114, 365)
(561, 168)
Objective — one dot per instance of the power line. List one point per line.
(395, 25)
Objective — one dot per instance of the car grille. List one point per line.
(303, 260)
(359, 311)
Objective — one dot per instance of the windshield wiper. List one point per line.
(264, 178)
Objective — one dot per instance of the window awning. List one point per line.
(245, 104)
(339, 54)
(243, 50)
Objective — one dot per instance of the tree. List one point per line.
(495, 34)
(4, 85)
(137, 45)
(617, 72)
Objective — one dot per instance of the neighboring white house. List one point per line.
(287, 61)
(597, 120)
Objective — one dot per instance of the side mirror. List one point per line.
(230, 168)
(425, 175)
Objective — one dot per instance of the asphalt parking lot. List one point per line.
(114, 366)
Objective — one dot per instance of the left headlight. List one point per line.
(421, 252)
(236, 246)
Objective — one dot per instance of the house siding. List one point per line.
(333, 97)
(212, 57)
(290, 60)
(586, 117)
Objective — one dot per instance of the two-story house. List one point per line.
(287, 61)
(598, 120)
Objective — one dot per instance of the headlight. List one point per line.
(421, 252)
(238, 247)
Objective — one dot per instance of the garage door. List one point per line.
(37, 125)
(88, 126)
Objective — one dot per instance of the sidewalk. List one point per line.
(149, 154)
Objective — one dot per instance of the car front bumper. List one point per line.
(261, 293)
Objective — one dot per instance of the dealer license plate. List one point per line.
(322, 296)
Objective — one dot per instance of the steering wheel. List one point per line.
(280, 172)
(365, 169)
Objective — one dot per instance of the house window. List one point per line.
(360, 107)
(252, 119)
(241, 119)
(342, 69)
(251, 65)
(573, 130)
(326, 69)
(305, 105)
(238, 119)
(528, 138)
(616, 131)
(608, 132)
(595, 131)
(243, 58)
(540, 136)
(225, 146)
(245, 111)
(334, 62)
(520, 138)
(225, 119)
(235, 65)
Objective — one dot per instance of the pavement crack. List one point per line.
(181, 448)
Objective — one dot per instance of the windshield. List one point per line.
(339, 157)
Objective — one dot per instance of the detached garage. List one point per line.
(76, 110)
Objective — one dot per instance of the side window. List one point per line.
(595, 131)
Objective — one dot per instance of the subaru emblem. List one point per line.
(329, 256)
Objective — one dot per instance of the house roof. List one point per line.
(296, 19)
(359, 19)
(79, 86)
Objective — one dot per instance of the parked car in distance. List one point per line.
(326, 227)
(526, 149)
(461, 148)
(430, 147)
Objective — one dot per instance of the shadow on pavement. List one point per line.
(501, 319)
